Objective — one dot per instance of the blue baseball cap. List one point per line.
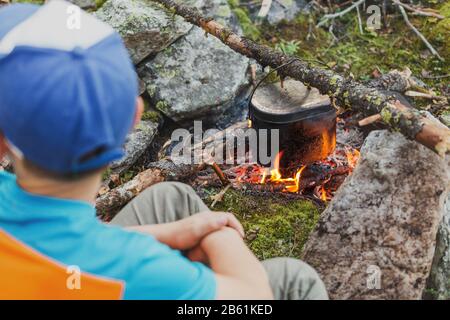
(67, 87)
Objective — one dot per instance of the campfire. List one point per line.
(380, 225)
(320, 179)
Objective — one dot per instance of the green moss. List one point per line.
(151, 116)
(151, 90)
(106, 174)
(358, 55)
(162, 106)
(439, 30)
(288, 47)
(334, 80)
(361, 54)
(127, 176)
(386, 115)
(233, 3)
(274, 226)
(39, 2)
(99, 3)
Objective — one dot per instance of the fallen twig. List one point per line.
(359, 20)
(417, 32)
(416, 94)
(253, 74)
(219, 197)
(436, 77)
(369, 120)
(348, 92)
(220, 174)
(418, 11)
(327, 17)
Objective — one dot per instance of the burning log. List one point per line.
(347, 92)
(111, 202)
(220, 174)
(376, 239)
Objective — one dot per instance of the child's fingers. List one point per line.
(197, 255)
(233, 222)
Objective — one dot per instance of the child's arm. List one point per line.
(238, 272)
(187, 233)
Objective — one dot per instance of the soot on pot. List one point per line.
(306, 121)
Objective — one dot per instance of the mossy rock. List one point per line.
(145, 26)
(275, 225)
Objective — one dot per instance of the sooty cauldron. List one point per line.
(306, 121)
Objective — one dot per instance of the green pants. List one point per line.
(290, 279)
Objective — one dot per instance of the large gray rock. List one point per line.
(197, 76)
(376, 239)
(145, 26)
(137, 143)
(445, 118)
(439, 285)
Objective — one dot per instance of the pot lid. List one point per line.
(291, 103)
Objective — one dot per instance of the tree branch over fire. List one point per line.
(346, 92)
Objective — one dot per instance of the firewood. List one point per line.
(220, 174)
(347, 92)
(369, 120)
(111, 202)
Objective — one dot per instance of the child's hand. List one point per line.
(187, 233)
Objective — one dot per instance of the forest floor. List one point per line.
(349, 52)
(275, 226)
(278, 226)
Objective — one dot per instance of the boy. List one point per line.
(68, 97)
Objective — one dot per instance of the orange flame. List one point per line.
(263, 178)
(292, 184)
(323, 194)
(352, 157)
(328, 144)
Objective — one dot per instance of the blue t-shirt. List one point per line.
(69, 232)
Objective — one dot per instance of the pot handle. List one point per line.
(267, 75)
